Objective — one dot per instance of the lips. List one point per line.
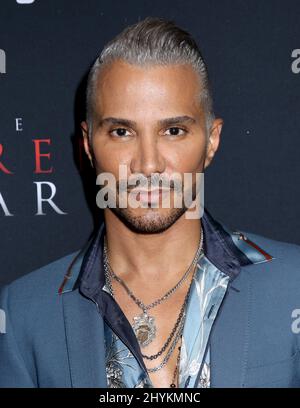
(149, 195)
(152, 195)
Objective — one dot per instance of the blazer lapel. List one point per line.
(84, 331)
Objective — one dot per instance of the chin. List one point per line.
(148, 220)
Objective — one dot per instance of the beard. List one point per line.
(152, 220)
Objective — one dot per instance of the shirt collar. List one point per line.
(218, 244)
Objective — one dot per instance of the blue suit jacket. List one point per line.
(54, 334)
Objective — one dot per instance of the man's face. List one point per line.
(150, 120)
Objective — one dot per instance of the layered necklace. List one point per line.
(144, 325)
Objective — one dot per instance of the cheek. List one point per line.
(187, 158)
(109, 158)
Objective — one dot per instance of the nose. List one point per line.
(147, 156)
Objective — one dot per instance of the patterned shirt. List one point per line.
(125, 366)
(207, 291)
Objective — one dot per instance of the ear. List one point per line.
(213, 141)
(86, 141)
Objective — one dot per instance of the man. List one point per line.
(156, 298)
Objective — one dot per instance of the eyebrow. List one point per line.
(130, 123)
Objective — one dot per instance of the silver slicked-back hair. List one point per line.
(153, 41)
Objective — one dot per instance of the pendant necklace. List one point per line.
(144, 325)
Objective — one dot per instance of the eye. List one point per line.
(176, 131)
(119, 132)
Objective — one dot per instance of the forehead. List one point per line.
(127, 87)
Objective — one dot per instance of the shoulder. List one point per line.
(269, 294)
(279, 276)
(281, 251)
(40, 284)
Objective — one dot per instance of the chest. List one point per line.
(200, 312)
(159, 346)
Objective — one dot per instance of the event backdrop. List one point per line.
(47, 189)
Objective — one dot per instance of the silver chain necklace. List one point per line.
(180, 322)
(171, 335)
(177, 324)
(144, 325)
(177, 337)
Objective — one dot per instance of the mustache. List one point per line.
(149, 183)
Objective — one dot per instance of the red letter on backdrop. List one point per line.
(38, 155)
(2, 167)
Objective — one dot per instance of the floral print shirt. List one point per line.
(218, 265)
(208, 289)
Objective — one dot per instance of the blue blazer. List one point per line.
(54, 334)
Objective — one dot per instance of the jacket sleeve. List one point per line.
(13, 371)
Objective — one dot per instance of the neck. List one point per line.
(161, 257)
